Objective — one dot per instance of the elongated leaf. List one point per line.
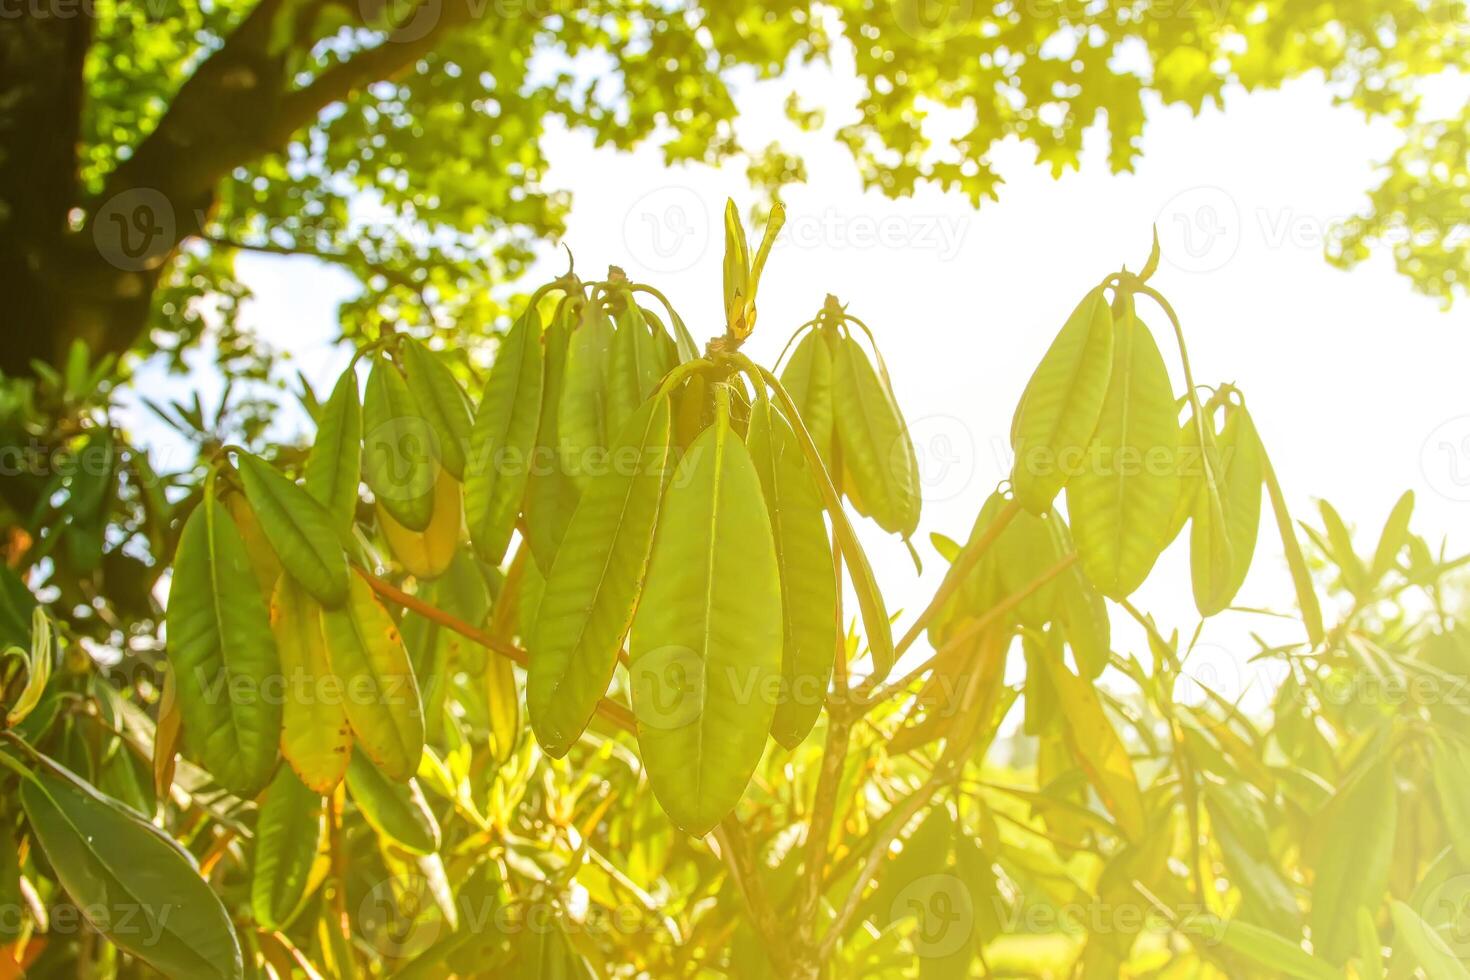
(1370, 948)
(1452, 787)
(166, 736)
(706, 643)
(876, 448)
(395, 809)
(503, 440)
(1240, 456)
(316, 738)
(1122, 499)
(132, 882)
(1099, 750)
(1340, 541)
(808, 576)
(582, 429)
(1352, 852)
(634, 366)
(427, 554)
(1296, 562)
(1061, 405)
(400, 448)
(300, 530)
(442, 400)
(1263, 948)
(334, 467)
(1211, 558)
(737, 268)
(38, 663)
(288, 833)
(264, 563)
(550, 495)
(808, 378)
(1426, 945)
(381, 696)
(1395, 535)
(223, 654)
(588, 603)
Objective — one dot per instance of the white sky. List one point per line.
(1357, 384)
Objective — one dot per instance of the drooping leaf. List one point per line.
(288, 834)
(316, 738)
(550, 495)
(299, 529)
(1211, 556)
(590, 594)
(223, 654)
(380, 695)
(1099, 750)
(132, 882)
(1240, 457)
(706, 642)
(427, 554)
(876, 448)
(634, 367)
(807, 376)
(1121, 500)
(400, 448)
(1062, 402)
(264, 563)
(504, 439)
(582, 428)
(442, 401)
(808, 577)
(395, 808)
(334, 466)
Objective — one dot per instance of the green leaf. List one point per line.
(1452, 787)
(1395, 535)
(1351, 856)
(1211, 559)
(299, 529)
(706, 644)
(635, 365)
(223, 654)
(1262, 947)
(582, 429)
(400, 448)
(1426, 945)
(1099, 750)
(808, 575)
(1061, 405)
(807, 377)
(550, 496)
(133, 883)
(1370, 948)
(876, 449)
(288, 834)
(504, 438)
(1340, 550)
(380, 694)
(1296, 562)
(395, 808)
(1241, 461)
(1123, 498)
(316, 738)
(334, 466)
(442, 400)
(588, 603)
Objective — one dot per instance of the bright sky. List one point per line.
(1357, 384)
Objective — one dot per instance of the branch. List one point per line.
(618, 714)
(735, 848)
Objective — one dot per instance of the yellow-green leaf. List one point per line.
(288, 834)
(706, 643)
(395, 808)
(1098, 749)
(316, 738)
(1351, 853)
(334, 466)
(1426, 945)
(1122, 498)
(442, 401)
(400, 448)
(808, 378)
(582, 429)
(223, 654)
(876, 448)
(380, 694)
(427, 554)
(504, 438)
(808, 575)
(588, 602)
(550, 495)
(1062, 402)
(298, 528)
